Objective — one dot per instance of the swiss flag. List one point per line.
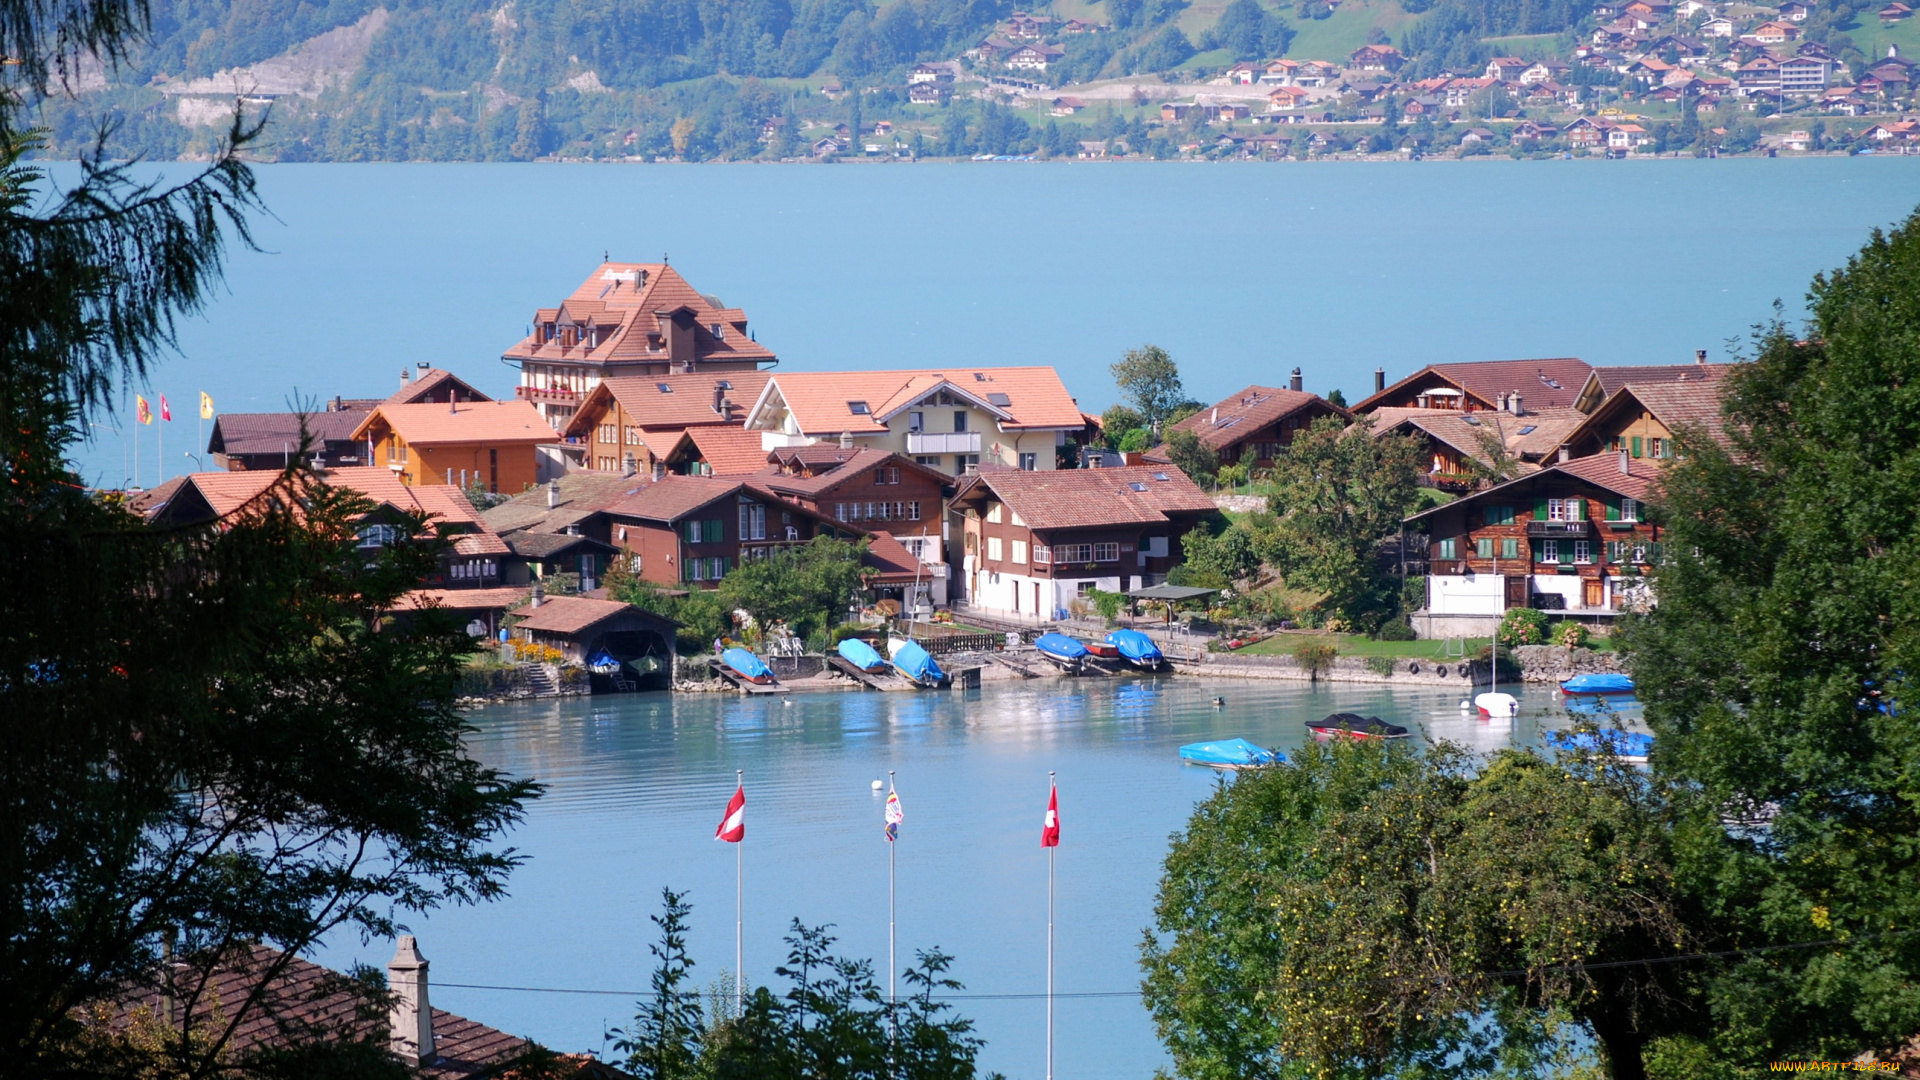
(1050, 832)
(733, 827)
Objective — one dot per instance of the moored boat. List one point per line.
(916, 663)
(1354, 726)
(1105, 650)
(862, 655)
(1598, 683)
(1137, 648)
(1632, 747)
(1231, 754)
(747, 666)
(1497, 706)
(1061, 649)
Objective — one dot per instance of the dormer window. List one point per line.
(664, 387)
(979, 376)
(719, 331)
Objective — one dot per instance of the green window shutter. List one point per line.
(1539, 509)
(1638, 446)
(1446, 549)
(1656, 552)
(1510, 548)
(716, 530)
(692, 532)
(1491, 515)
(1506, 515)
(1483, 548)
(1613, 509)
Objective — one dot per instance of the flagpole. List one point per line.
(739, 913)
(1050, 851)
(892, 845)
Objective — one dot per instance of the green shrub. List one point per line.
(1568, 633)
(1523, 626)
(1314, 655)
(1380, 665)
(1400, 629)
(1108, 604)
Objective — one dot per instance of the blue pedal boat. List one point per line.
(1231, 754)
(1632, 747)
(1603, 683)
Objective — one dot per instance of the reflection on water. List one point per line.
(636, 785)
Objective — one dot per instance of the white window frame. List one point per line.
(993, 548)
(994, 513)
(1582, 552)
(1629, 509)
(1106, 552)
(1550, 551)
(1020, 552)
(1042, 555)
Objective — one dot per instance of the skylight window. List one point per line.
(1529, 429)
(979, 376)
(1137, 486)
(1161, 476)
(1001, 400)
(664, 388)
(859, 408)
(1471, 419)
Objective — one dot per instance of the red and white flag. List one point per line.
(166, 413)
(733, 827)
(1050, 832)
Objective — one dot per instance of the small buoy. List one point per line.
(786, 703)
(1219, 703)
(877, 785)
(1466, 706)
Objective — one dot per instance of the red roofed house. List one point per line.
(628, 319)
(1375, 58)
(690, 530)
(643, 418)
(622, 647)
(255, 998)
(1639, 418)
(867, 487)
(493, 443)
(1252, 426)
(272, 440)
(1541, 384)
(950, 420)
(1035, 542)
(1570, 538)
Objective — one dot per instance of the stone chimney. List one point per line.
(412, 1017)
(553, 493)
(1624, 469)
(1564, 455)
(539, 594)
(1296, 383)
(659, 469)
(628, 466)
(846, 440)
(1699, 356)
(406, 378)
(1379, 379)
(1514, 406)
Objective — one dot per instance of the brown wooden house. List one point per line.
(1253, 426)
(1034, 542)
(1491, 384)
(1639, 419)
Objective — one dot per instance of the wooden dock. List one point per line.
(889, 680)
(743, 685)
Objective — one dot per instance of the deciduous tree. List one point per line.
(1150, 379)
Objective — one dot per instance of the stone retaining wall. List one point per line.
(1529, 664)
(1554, 664)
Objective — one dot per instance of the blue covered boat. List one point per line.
(1061, 649)
(862, 655)
(1138, 649)
(1231, 754)
(1632, 747)
(917, 664)
(1605, 683)
(747, 666)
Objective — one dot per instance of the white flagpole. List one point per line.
(739, 912)
(892, 844)
(1050, 852)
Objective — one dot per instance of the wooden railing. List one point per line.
(951, 643)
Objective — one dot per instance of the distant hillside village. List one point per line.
(653, 438)
(1112, 79)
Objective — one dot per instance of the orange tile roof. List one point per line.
(1246, 412)
(1545, 384)
(891, 560)
(1082, 498)
(819, 400)
(441, 502)
(477, 422)
(687, 401)
(1602, 383)
(611, 298)
(731, 451)
(673, 497)
(1601, 470)
(464, 599)
(830, 472)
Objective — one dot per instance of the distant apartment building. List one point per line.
(628, 319)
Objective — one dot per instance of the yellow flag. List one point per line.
(141, 409)
(206, 406)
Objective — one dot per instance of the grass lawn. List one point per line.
(1335, 37)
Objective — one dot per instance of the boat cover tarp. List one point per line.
(1134, 645)
(1626, 744)
(1360, 725)
(1601, 683)
(602, 663)
(1060, 645)
(746, 663)
(1230, 752)
(916, 664)
(861, 655)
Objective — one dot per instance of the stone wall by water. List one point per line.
(1554, 664)
(1529, 664)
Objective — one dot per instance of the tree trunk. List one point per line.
(1623, 1044)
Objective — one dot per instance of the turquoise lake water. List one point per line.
(639, 782)
(1242, 271)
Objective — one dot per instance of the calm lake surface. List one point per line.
(1242, 271)
(637, 784)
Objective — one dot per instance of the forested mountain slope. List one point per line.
(519, 79)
